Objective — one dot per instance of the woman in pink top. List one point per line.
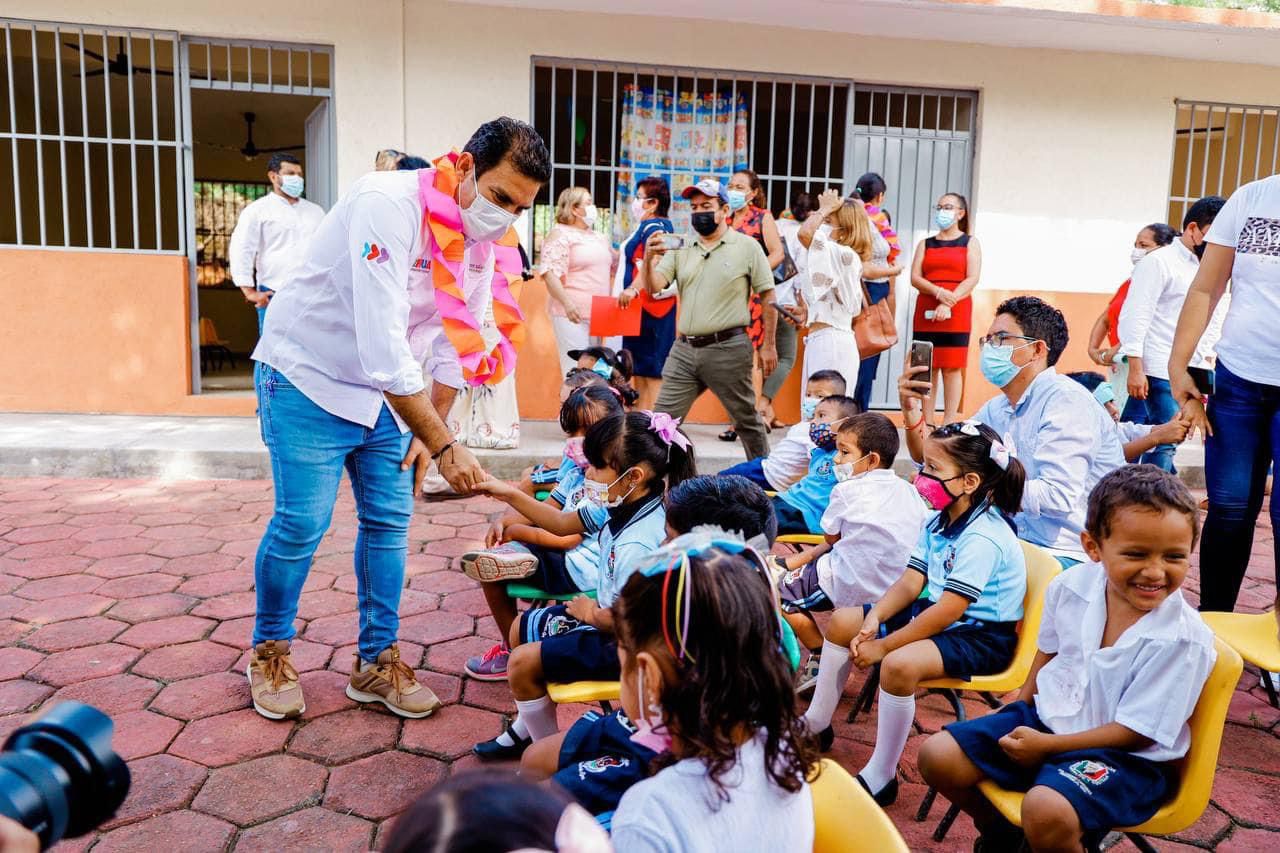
(577, 264)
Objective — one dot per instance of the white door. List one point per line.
(320, 156)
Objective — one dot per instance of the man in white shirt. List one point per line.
(341, 386)
(270, 234)
(1157, 290)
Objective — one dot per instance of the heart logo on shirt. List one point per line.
(374, 252)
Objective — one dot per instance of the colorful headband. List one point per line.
(668, 429)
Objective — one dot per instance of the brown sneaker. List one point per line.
(391, 682)
(273, 682)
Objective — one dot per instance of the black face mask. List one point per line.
(1199, 249)
(704, 222)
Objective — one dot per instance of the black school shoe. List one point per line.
(826, 739)
(886, 796)
(491, 750)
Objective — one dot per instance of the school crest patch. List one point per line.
(1093, 772)
(600, 765)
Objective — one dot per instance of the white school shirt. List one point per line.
(1149, 318)
(678, 810)
(1148, 681)
(878, 517)
(1067, 443)
(361, 321)
(269, 239)
(788, 460)
(1250, 223)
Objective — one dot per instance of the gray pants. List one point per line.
(785, 339)
(725, 369)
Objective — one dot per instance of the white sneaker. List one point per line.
(807, 675)
(509, 562)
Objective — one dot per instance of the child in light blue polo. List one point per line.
(800, 508)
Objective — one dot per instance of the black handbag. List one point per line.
(786, 270)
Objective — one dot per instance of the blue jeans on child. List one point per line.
(1246, 437)
(309, 449)
(753, 470)
(867, 368)
(1158, 408)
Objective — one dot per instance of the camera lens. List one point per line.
(58, 774)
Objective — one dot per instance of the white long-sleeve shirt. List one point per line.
(363, 318)
(833, 278)
(1149, 318)
(269, 240)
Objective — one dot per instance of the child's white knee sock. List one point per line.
(538, 715)
(833, 672)
(893, 726)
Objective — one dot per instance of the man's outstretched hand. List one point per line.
(461, 469)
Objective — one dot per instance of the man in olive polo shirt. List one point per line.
(714, 276)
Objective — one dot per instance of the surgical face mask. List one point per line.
(484, 221)
(809, 407)
(1199, 248)
(704, 222)
(598, 493)
(822, 436)
(574, 451)
(737, 200)
(934, 490)
(1137, 255)
(1104, 393)
(291, 185)
(997, 364)
(590, 214)
(602, 368)
(845, 470)
(652, 736)
(637, 208)
(944, 219)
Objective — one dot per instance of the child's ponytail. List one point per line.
(978, 449)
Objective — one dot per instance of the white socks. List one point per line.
(893, 726)
(833, 672)
(538, 716)
(518, 728)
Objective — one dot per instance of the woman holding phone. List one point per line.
(649, 210)
(838, 240)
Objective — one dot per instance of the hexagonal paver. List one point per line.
(47, 567)
(75, 633)
(166, 632)
(11, 630)
(470, 602)
(182, 547)
(100, 532)
(114, 694)
(160, 783)
(229, 738)
(381, 785)
(442, 582)
(41, 533)
(62, 609)
(183, 830)
(1248, 796)
(152, 583)
(19, 696)
(324, 692)
(56, 587)
(450, 732)
(138, 734)
(126, 565)
(186, 660)
(217, 583)
(114, 547)
(176, 531)
(79, 665)
(231, 606)
(333, 630)
(309, 829)
(430, 628)
(15, 663)
(206, 696)
(264, 788)
(346, 735)
(195, 565)
(150, 607)
(326, 602)
(451, 656)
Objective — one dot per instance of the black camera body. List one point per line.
(59, 776)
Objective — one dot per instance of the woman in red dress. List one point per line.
(945, 270)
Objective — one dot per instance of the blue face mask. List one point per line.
(997, 364)
(292, 185)
(944, 219)
(809, 407)
(737, 200)
(602, 367)
(1104, 393)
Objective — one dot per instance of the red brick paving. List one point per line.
(137, 597)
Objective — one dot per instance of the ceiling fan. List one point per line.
(250, 150)
(118, 65)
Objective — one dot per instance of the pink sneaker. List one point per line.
(491, 666)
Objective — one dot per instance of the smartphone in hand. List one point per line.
(671, 242)
(922, 356)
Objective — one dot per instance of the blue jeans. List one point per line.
(1158, 408)
(753, 471)
(1246, 435)
(309, 449)
(877, 290)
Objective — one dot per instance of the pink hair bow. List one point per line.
(668, 429)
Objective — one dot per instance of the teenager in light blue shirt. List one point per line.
(800, 508)
(1063, 438)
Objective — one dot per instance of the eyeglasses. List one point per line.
(1000, 339)
(948, 207)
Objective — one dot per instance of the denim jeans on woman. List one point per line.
(1158, 408)
(1246, 436)
(309, 450)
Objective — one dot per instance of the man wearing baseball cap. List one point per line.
(714, 276)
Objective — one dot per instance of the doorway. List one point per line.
(246, 102)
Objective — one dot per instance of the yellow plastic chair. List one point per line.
(1195, 771)
(1253, 636)
(603, 692)
(802, 539)
(846, 818)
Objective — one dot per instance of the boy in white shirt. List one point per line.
(1121, 662)
(788, 460)
(872, 524)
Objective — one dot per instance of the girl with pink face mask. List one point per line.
(970, 568)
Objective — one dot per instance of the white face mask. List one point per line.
(598, 493)
(590, 214)
(1137, 255)
(484, 221)
(291, 185)
(844, 470)
(637, 208)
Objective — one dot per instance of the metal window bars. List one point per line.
(1218, 148)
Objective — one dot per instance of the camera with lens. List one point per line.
(59, 776)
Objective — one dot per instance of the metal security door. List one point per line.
(921, 143)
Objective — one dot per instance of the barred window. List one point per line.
(1218, 148)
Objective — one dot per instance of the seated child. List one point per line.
(596, 760)
(493, 810)
(971, 567)
(1137, 438)
(799, 508)
(788, 460)
(545, 475)
(872, 525)
(616, 368)
(633, 458)
(705, 678)
(1121, 662)
(556, 564)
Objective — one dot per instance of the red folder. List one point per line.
(608, 320)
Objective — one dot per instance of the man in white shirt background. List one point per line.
(1157, 289)
(341, 385)
(270, 234)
